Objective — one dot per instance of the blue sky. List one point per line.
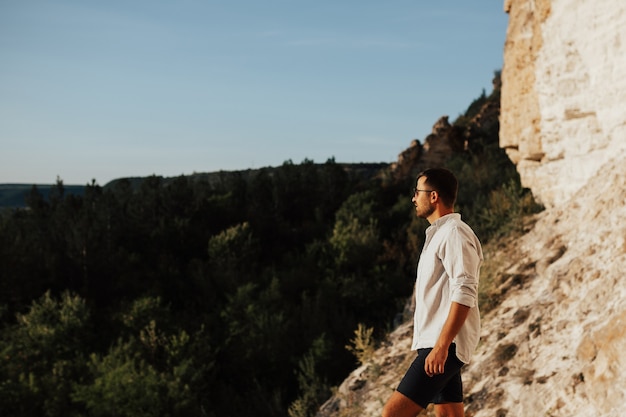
(109, 89)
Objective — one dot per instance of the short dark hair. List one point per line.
(444, 182)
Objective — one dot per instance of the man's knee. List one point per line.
(400, 405)
(388, 409)
(449, 410)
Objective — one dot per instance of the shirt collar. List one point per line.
(444, 219)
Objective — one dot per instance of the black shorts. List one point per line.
(437, 389)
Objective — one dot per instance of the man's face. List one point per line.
(421, 199)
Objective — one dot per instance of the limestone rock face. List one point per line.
(564, 313)
(563, 92)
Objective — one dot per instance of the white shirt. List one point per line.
(447, 271)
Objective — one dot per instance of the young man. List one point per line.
(446, 322)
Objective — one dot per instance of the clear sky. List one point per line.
(119, 88)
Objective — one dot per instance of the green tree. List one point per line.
(153, 369)
(314, 388)
(233, 257)
(43, 354)
(355, 236)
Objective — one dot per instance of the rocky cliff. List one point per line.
(555, 344)
(564, 88)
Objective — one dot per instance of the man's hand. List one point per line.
(435, 361)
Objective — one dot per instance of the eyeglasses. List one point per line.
(416, 191)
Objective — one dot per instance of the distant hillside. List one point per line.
(358, 170)
(14, 195)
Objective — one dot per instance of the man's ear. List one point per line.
(434, 197)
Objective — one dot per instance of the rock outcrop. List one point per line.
(438, 146)
(563, 95)
(554, 344)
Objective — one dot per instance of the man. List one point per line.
(446, 322)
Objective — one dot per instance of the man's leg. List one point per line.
(417, 389)
(449, 410)
(399, 405)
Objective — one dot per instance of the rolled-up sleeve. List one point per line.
(461, 256)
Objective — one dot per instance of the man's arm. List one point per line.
(437, 358)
